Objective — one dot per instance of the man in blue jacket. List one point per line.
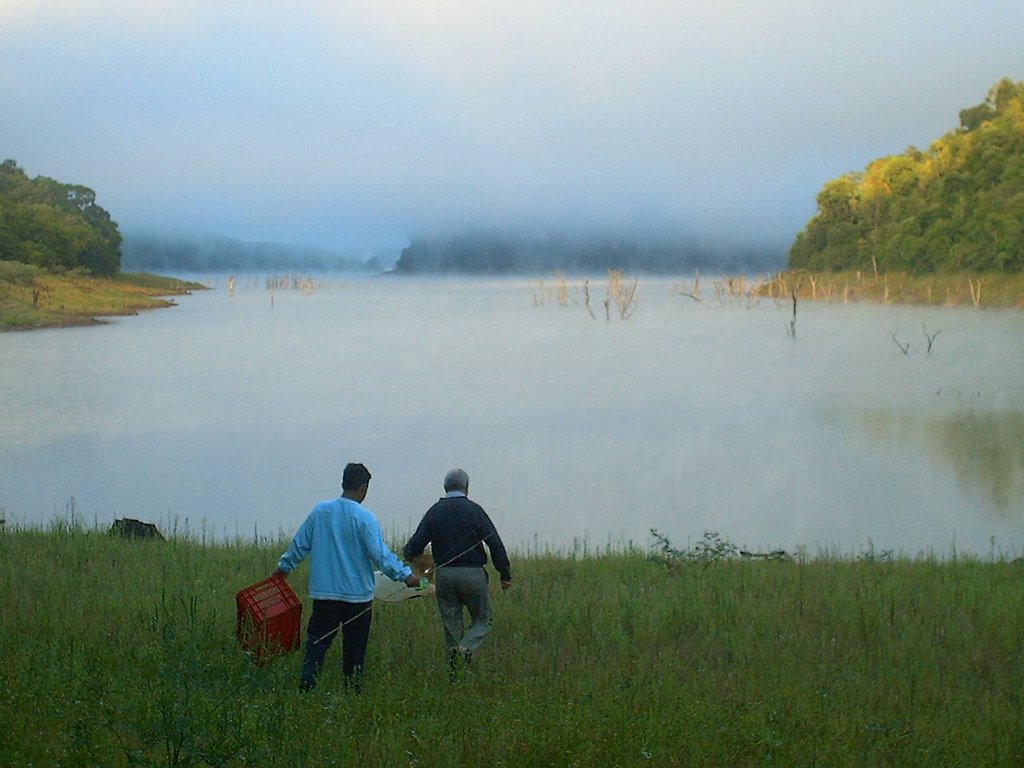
(457, 530)
(346, 543)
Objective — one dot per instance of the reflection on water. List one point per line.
(985, 450)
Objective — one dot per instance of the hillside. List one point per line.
(956, 207)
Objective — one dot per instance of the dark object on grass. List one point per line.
(136, 529)
(775, 554)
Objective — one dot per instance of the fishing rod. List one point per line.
(398, 589)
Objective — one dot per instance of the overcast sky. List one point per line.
(360, 124)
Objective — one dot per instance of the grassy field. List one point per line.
(31, 298)
(121, 653)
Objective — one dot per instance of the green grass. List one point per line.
(31, 298)
(121, 653)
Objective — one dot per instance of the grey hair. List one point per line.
(456, 480)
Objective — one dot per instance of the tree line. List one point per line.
(155, 252)
(957, 206)
(55, 226)
(480, 252)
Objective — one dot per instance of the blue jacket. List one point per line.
(346, 543)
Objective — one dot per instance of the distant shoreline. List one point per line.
(31, 299)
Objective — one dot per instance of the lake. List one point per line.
(232, 413)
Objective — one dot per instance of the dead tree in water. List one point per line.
(975, 291)
(620, 293)
(585, 290)
(791, 330)
(929, 336)
(562, 290)
(904, 348)
(690, 293)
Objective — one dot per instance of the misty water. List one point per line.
(231, 415)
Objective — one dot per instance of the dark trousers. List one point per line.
(327, 616)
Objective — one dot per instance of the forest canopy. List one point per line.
(55, 226)
(957, 206)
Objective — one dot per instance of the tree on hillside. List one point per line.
(55, 226)
(959, 205)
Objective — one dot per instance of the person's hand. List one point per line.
(505, 585)
(412, 581)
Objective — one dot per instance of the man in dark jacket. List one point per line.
(457, 530)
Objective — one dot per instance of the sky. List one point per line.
(360, 125)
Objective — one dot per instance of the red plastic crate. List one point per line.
(269, 619)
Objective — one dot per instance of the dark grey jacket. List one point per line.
(457, 529)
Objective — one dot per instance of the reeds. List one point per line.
(620, 294)
(726, 291)
(305, 284)
(1002, 290)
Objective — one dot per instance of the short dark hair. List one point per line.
(354, 477)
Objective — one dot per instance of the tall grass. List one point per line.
(121, 653)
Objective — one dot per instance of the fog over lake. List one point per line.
(232, 415)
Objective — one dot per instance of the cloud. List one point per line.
(120, 17)
(320, 119)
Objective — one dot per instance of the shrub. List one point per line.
(18, 273)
